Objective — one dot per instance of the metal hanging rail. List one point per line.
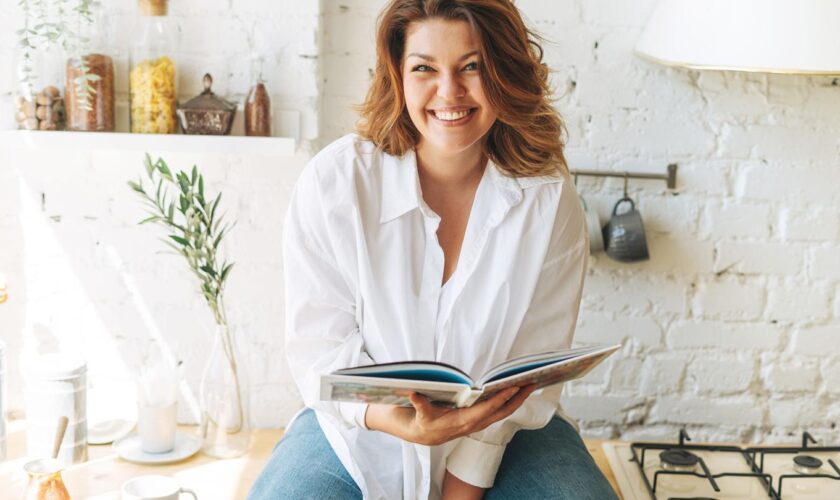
(670, 178)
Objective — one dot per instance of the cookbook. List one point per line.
(391, 383)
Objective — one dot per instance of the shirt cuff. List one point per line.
(475, 462)
(354, 413)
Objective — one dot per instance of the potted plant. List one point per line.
(196, 229)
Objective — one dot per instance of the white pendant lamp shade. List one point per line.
(773, 36)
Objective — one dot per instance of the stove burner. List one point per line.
(806, 464)
(678, 460)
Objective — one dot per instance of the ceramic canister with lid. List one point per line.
(56, 386)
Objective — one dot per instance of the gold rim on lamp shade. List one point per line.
(745, 69)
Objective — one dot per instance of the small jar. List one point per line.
(44, 480)
(89, 80)
(258, 103)
(39, 104)
(152, 77)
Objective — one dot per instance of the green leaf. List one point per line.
(171, 214)
(136, 186)
(173, 246)
(153, 218)
(215, 204)
(183, 182)
(164, 169)
(194, 176)
(147, 162)
(225, 270)
(209, 270)
(180, 240)
(201, 188)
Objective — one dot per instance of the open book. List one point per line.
(391, 383)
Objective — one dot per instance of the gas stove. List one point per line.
(683, 471)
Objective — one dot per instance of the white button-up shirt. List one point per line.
(363, 271)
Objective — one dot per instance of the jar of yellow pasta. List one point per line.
(152, 78)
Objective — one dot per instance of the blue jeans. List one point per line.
(550, 463)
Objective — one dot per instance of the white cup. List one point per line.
(154, 488)
(157, 426)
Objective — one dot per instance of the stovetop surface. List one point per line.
(736, 471)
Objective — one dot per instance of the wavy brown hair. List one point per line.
(527, 138)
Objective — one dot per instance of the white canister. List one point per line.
(2, 401)
(55, 387)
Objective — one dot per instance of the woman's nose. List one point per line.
(450, 87)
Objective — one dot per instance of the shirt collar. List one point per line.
(508, 187)
(400, 186)
(401, 191)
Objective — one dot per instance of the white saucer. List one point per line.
(186, 445)
(108, 431)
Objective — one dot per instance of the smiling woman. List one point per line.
(458, 147)
(502, 69)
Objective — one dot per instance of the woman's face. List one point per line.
(442, 86)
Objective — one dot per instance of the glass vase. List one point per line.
(225, 426)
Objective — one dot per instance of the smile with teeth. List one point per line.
(451, 116)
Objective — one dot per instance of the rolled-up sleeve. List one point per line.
(548, 325)
(322, 333)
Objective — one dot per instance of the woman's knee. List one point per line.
(551, 462)
(303, 466)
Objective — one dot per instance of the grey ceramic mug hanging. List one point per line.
(624, 234)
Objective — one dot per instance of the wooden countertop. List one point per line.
(101, 477)
(597, 451)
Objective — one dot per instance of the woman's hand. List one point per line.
(432, 425)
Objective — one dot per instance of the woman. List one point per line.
(447, 229)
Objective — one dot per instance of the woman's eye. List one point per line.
(471, 66)
(422, 68)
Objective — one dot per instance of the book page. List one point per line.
(561, 371)
(532, 361)
(367, 389)
(411, 370)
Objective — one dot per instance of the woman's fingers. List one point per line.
(510, 406)
(421, 403)
(479, 412)
(443, 425)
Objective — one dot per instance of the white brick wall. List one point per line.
(731, 329)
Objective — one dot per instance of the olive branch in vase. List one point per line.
(195, 230)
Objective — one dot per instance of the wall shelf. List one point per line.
(23, 139)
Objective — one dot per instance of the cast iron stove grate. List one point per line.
(805, 466)
(680, 460)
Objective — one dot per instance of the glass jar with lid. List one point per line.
(89, 76)
(152, 76)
